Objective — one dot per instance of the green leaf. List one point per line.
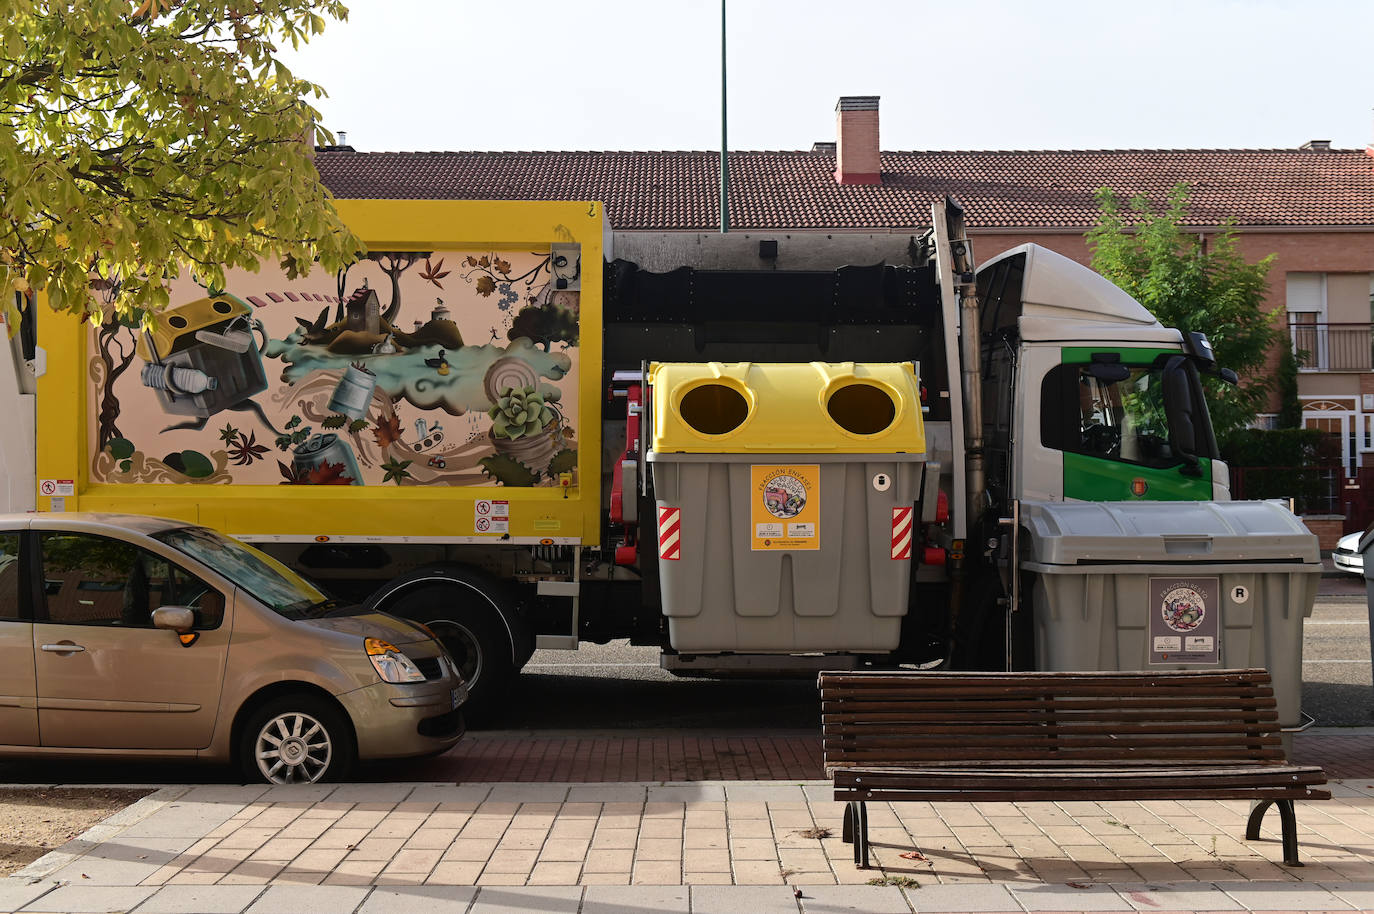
(565, 461)
(120, 448)
(196, 464)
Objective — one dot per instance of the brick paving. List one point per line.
(1341, 753)
(493, 756)
(743, 833)
(231, 848)
(489, 757)
(669, 840)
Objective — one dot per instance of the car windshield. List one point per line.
(262, 576)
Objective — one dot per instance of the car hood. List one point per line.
(1351, 542)
(371, 625)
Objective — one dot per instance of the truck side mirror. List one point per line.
(1178, 407)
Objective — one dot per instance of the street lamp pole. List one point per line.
(724, 157)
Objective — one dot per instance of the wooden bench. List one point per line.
(1030, 737)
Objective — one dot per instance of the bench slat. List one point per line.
(1159, 679)
(917, 699)
(865, 726)
(1061, 778)
(1097, 793)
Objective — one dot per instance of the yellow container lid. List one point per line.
(175, 323)
(786, 408)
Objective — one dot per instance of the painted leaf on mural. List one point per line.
(387, 431)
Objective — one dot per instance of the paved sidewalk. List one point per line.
(701, 847)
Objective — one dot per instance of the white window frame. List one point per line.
(1320, 359)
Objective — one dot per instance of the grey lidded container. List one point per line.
(1108, 576)
(848, 595)
(785, 480)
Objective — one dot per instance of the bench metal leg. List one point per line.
(1288, 822)
(855, 831)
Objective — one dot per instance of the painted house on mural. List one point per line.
(849, 202)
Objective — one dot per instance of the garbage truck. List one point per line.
(492, 425)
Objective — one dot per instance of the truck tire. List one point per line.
(296, 739)
(468, 612)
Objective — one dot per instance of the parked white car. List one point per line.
(1346, 556)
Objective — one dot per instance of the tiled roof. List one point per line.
(668, 191)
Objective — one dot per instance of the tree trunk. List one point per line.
(109, 403)
(341, 281)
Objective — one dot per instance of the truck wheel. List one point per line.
(296, 739)
(466, 617)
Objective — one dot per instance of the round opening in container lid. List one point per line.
(862, 409)
(713, 409)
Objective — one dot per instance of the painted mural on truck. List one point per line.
(408, 368)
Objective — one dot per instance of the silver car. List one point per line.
(140, 637)
(1346, 556)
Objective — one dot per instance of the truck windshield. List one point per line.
(263, 577)
(1122, 420)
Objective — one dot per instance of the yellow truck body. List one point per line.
(359, 407)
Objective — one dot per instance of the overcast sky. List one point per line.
(953, 74)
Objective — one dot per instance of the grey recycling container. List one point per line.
(1173, 585)
(785, 497)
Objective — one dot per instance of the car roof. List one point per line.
(89, 521)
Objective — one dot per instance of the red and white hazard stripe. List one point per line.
(901, 532)
(670, 534)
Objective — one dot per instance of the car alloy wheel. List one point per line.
(293, 748)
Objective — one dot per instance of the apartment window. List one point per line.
(1306, 304)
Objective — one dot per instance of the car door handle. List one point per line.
(62, 647)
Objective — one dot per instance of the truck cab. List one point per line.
(1087, 396)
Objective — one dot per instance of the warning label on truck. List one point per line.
(1184, 620)
(785, 508)
(490, 516)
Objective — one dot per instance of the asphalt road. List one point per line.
(616, 686)
(1336, 677)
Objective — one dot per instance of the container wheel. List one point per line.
(296, 739)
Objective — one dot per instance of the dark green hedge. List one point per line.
(1281, 447)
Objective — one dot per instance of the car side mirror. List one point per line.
(180, 619)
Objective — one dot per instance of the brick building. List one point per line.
(847, 201)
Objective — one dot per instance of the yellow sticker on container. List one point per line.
(785, 506)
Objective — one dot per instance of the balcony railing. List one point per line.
(1333, 347)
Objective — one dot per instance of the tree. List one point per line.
(1193, 283)
(393, 264)
(1286, 379)
(138, 139)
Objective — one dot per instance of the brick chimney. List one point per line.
(856, 128)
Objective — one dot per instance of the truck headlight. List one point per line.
(390, 663)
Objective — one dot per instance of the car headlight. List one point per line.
(390, 663)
